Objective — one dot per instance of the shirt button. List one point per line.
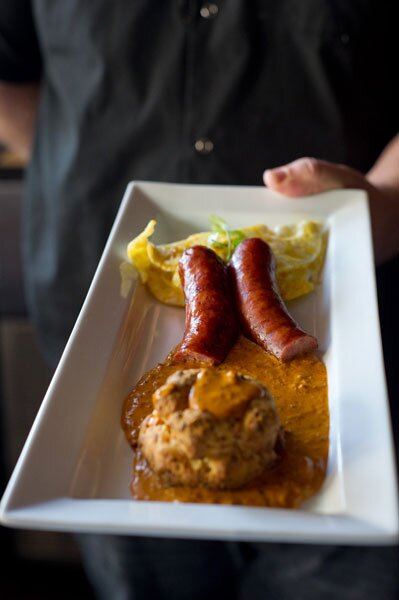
(345, 39)
(209, 10)
(203, 146)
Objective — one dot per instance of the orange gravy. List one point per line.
(299, 388)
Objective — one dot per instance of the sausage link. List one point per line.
(211, 322)
(263, 314)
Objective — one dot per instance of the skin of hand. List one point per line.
(311, 176)
(18, 108)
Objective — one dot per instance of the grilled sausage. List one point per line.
(211, 322)
(263, 314)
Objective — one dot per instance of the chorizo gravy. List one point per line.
(299, 388)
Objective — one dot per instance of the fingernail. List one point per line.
(278, 175)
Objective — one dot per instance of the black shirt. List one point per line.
(179, 90)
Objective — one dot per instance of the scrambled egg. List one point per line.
(299, 250)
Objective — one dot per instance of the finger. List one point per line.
(311, 176)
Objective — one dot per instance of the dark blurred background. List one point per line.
(35, 565)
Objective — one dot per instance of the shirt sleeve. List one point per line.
(20, 58)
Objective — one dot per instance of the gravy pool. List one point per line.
(299, 388)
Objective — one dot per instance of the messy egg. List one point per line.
(299, 250)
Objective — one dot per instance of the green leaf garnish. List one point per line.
(233, 238)
(214, 241)
(237, 236)
(217, 224)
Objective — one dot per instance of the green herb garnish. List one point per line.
(233, 237)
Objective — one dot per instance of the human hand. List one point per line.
(311, 176)
(18, 110)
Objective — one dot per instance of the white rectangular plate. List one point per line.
(75, 469)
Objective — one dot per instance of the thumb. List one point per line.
(311, 176)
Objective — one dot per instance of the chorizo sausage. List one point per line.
(211, 321)
(263, 314)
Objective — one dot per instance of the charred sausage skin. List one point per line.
(211, 321)
(262, 311)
